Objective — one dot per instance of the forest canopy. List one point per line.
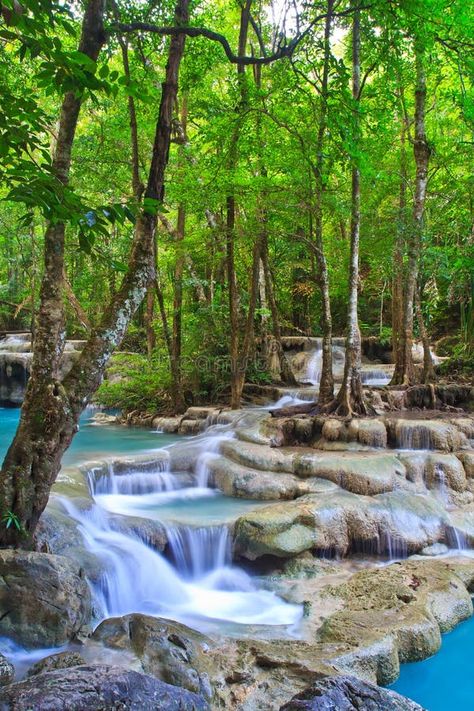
(276, 135)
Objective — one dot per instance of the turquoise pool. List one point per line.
(444, 682)
(91, 441)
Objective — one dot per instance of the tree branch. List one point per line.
(285, 50)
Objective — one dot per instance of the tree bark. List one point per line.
(429, 375)
(235, 375)
(51, 409)
(399, 248)
(404, 370)
(176, 372)
(350, 398)
(286, 373)
(326, 384)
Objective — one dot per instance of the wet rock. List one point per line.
(191, 427)
(257, 456)
(306, 566)
(333, 430)
(396, 523)
(445, 470)
(236, 480)
(357, 472)
(95, 688)
(153, 533)
(166, 424)
(407, 603)
(44, 599)
(167, 650)
(346, 693)
(7, 671)
(62, 660)
(435, 549)
(372, 433)
(56, 532)
(103, 418)
(467, 459)
(425, 434)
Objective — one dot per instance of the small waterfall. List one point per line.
(314, 366)
(412, 435)
(211, 443)
(104, 480)
(138, 579)
(135, 578)
(375, 376)
(456, 539)
(198, 551)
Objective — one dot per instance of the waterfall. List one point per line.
(104, 480)
(197, 551)
(211, 442)
(135, 578)
(375, 376)
(313, 368)
(199, 584)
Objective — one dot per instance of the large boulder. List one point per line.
(395, 523)
(44, 599)
(7, 671)
(403, 608)
(167, 650)
(96, 688)
(242, 482)
(62, 660)
(347, 693)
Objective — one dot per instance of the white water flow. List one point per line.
(201, 583)
(211, 442)
(312, 374)
(313, 368)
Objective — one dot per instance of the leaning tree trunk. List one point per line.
(404, 370)
(52, 408)
(326, 383)
(350, 398)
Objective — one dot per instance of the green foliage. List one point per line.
(11, 520)
(273, 179)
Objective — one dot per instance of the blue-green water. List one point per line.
(91, 441)
(444, 682)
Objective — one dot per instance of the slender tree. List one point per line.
(350, 398)
(404, 373)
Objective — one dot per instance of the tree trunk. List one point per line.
(286, 374)
(326, 385)
(176, 374)
(350, 399)
(429, 375)
(235, 375)
(404, 371)
(51, 409)
(399, 249)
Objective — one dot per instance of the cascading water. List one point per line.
(211, 442)
(202, 585)
(313, 368)
(197, 551)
